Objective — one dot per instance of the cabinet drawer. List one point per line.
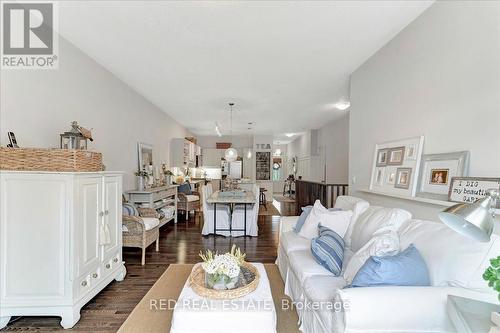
(163, 194)
(83, 286)
(110, 264)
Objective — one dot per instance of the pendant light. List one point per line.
(231, 154)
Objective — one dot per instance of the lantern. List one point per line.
(76, 138)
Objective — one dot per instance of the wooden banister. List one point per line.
(307, 192)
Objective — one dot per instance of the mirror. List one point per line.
(145, 151)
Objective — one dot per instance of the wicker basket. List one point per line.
(197, 283)
(62, 160)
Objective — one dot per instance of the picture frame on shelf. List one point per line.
(382, 156)
(379, 181)
(390, 156)
(470, 189)
(436, 172)
(145, 155)
(396, 156)
(403, 178)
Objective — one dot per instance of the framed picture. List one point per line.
(145, 155)
(382, 155)
(390, 156)
(263, 165)
(396, 156)
(436, 171)
(403, 178)
(390, 177)
(470, 189)
(411, 152)
(379, 181)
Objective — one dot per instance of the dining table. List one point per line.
(244, 198)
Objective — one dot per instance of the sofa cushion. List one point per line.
(328, 250)
(337, 221)
(150, 222)
(184, 188)
(192, 197)
(290, 241)
(406, 268)
(452, 259)
(357, 206)
(323, 287)
(304, 266)
(373, 219)
(385, 242)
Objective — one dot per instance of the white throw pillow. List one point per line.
(337, 221)
(385, 242)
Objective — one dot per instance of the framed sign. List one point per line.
(263, 165)
(469, 189)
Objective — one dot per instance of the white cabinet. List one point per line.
(212, 157)
(183, 152)
(60, 236)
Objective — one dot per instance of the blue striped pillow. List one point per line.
(328, 250)
(129, 209)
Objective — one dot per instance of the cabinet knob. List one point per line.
(95, 275)
(115, 260)
(101, 214)
(84, 283)
(106, 212)
(108, 266)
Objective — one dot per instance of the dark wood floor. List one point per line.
(179, 243)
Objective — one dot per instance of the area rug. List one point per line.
(144, 318)
(281, 198)
(270, 211)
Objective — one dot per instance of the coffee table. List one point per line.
(254, 312)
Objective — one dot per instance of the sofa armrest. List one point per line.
(181, 197)
(396, 309)
(287, 223)
(134, 224)
(147, 212)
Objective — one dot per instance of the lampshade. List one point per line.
(475, 220)
(231, 154)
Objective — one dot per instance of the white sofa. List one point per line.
(455, 266)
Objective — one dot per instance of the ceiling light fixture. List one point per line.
(289, 135)
(231, 154)
(217, 130)
(342, 105)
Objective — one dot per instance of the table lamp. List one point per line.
(474, 220)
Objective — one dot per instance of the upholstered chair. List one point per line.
(140, 228)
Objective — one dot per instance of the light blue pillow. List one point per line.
(303, 216)
(129, 209)
(328, 250)
(406, 268)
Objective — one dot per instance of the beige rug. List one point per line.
(169, 286)
(270, 211)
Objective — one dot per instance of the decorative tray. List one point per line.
(248, 281)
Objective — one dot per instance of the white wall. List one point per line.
(332, 147)
(440, 77)
(38, 105)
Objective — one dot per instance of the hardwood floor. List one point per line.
(179, 243)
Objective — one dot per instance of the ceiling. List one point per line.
(283, 64)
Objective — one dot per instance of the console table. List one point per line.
(157, 198)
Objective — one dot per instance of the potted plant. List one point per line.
(168, 176)
(492, 274)
(140, 176)
(222, 271)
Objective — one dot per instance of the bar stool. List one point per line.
(262, 197)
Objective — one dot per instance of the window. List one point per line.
(277, 169)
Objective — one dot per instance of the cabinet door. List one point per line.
(88, 215)
(112, 215)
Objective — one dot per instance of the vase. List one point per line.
(140, 183)
(220, 281)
